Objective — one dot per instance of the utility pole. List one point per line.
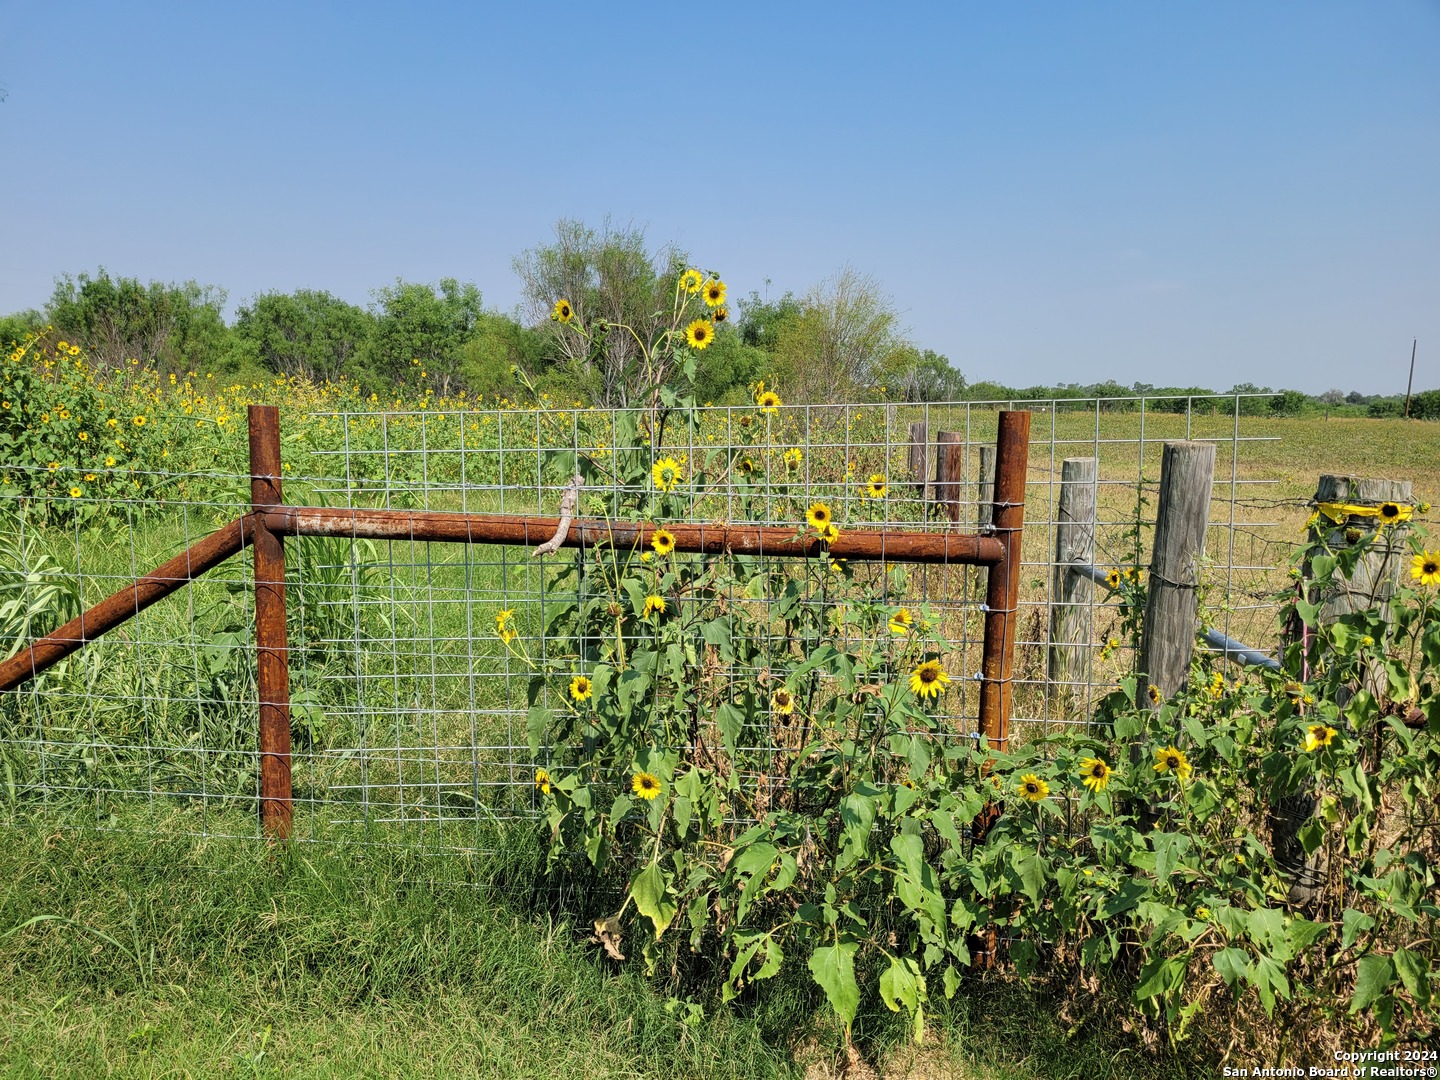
(1410, 385)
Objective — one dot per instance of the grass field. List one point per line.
(183, 956)
(141, 954)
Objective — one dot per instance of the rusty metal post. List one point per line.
(272, 665)
(1002, 594)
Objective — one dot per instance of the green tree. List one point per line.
(119, 319)
(913, 375)
(14, 328)
(840, 344)
(420, 322)
(610, 279)
(306, 332)
(498, 348)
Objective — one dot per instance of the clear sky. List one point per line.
(1173, 192)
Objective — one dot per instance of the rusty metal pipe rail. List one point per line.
(431, 525)
(131, 600)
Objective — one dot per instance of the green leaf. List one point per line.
(833, 968)
(1411, 969)
(1129, 895)
(1374, 975)
(1033, 869)
(1230, 963)
(536, 722)
(1161, 976)
(731, 721)
(901, 984)
(1312, 835)
(650, 891)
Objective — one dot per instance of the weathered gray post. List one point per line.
(1187, 474)
(919, 456)
(986, 501)
(949, 471)
(1072, 594)
(1376, 574)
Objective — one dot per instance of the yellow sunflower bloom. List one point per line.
(1095, 773)
(691, 280)
(109, 462)
(1425, 568)
(645, 786)
(830, 533)
(1394, 513)
(782, 702)
(1172, 760)
(83, 436)
(818, 516)
(75, 493)
(720, 314)
(928, 680)
(768, 401)
(654, 605)
(662, 541)
(1154, 693)
(698, 334)
(542, 781)
(563, 312)
(1112, 579)
(667, 473)
(1033, 788)
(714, 292)
(580, 688)
(793, 458)
(140, 421)
(1318, 735)
(877, 487)
(901, 621)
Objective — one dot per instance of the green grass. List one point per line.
(145, 952)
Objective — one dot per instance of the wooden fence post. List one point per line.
(272, 667)
(985, 501)
(1187, 474)
(949, 471)
(919, 456)
(1376, 574)
(1072, 595)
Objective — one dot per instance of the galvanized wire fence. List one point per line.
(414, 665)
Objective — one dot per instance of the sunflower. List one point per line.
(75, 493)
(901, 621)
(877, 487)
(542, 781)
(580, 688)
(1095, 774)
(1425, 568)
(667, 473)
(830, 533)
(645, 785)
(140, 421)
(1172, 760)
(691, 281)
(1318, 735)
(782, 702)
(1394, 513)
(698, 334)
(768, 401)
(818, 516)
(928, 680)
(563, 312)
(745, 466)
(109, 462)
(1112, 579)
(1033, 788)
(793, 458)
(714, 292)
(1154, 692)
(720, 314)
(662, 541)
(654, 605)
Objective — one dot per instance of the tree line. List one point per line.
(840, 340)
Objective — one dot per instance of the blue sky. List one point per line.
(1203, 193)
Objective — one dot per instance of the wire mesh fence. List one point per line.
(416, 666)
